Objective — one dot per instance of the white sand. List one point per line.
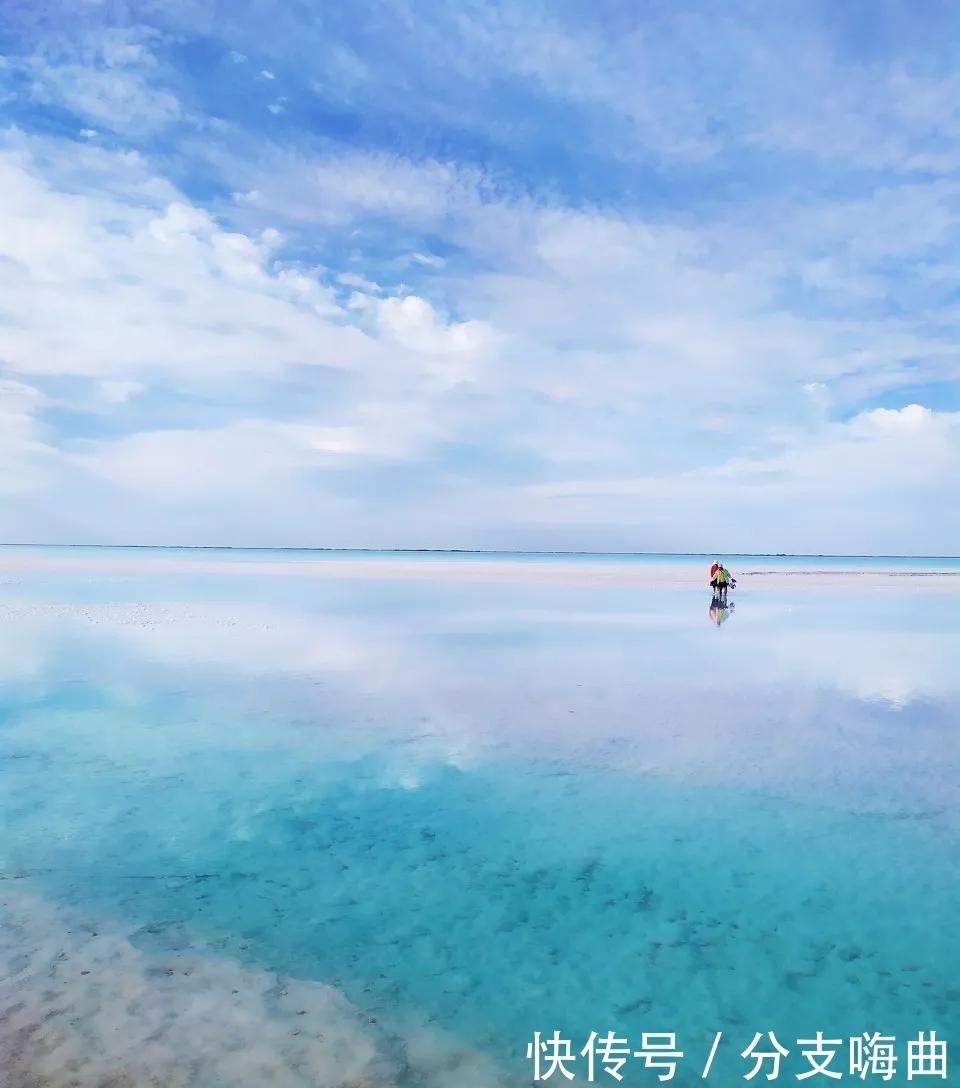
(581, 572)
(81, 1007)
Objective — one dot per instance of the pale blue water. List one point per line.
(487, 809)
(743, 562)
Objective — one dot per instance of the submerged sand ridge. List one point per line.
(82, 1007)
(448, 567)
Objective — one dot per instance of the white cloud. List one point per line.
(249, 456)
(683, 361)
(115, 392)
(340, 186)
(23, 453)
(883, 475)
(428, 259)
(615, 305)
(193, 464)
(352, 279)
(606, 345)
(138, 283)
(414, 323)
(110, 79)
(699, 85)
(118, 288)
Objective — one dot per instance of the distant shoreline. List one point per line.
(538, 552)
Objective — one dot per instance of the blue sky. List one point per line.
(654, 277)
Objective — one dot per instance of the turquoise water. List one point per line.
(384, 832)
(742, 562)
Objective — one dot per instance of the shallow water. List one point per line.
(291, 832)
(278, 556)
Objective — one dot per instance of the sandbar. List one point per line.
(612, 571)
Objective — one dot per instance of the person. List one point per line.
(726, 581)
(720, 581)
(713, 573)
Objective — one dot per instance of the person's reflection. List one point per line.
(719, 611)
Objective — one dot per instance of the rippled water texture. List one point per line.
(290, 831)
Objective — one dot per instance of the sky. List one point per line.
(660, 276)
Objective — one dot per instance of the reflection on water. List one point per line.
(720, 611)
(383, 833)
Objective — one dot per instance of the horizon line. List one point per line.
(471, 551)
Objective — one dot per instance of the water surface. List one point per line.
(383, 832)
